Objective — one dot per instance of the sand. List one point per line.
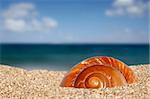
(19, 83)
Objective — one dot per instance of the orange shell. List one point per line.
(99, 72)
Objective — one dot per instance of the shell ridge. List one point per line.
(99, 72)
(117, 69)
(103, 73)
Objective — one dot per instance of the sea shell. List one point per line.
(99, 72)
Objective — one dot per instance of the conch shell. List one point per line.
(99, 72)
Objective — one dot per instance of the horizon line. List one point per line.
(78, 43)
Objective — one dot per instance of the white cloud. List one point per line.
(121, 3)
(127, 7)
(14, 25)
(23, 17)
(19, 10)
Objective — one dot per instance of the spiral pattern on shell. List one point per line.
(99, 72)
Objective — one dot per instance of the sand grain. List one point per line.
(22, 84)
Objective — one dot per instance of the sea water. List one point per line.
(64, 56)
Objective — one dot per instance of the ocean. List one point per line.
(65, 56)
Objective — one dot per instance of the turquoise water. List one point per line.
(63, 57)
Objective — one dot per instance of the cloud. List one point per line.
(19, 10)
(24, 17)
(127, 7)
(121, 3)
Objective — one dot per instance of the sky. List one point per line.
(74, 21)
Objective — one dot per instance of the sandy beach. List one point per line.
(19, 83)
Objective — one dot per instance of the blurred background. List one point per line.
(57, 34)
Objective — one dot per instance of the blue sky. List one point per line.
(74, 21)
